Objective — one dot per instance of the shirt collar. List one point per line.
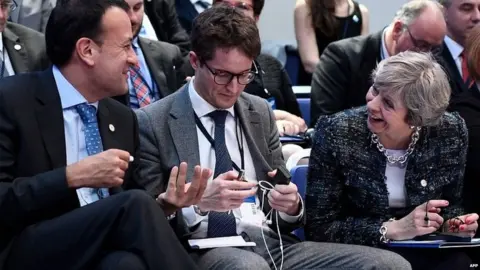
(1, 41)
(210, 2)
(135, 42)
(385, 54)
(200, 105)
(454, 48)
(69, 96)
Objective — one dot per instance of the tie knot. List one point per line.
(219, 117)
(88, 113)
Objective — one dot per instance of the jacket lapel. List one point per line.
(156, 65)
(250, 121)
(106, 126)
(16, 51)
(183, 130)
(50, 119)
(449, 64)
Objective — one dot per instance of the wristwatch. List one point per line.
(200, 212)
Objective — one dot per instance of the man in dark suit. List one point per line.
(62, 164)
(159, 70)
(21, 49)
(342, 77)
(162, 14)
(211, 122)
(460, 17)
(188, 10)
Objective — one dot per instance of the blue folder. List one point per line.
(434, 244)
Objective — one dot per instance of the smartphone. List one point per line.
(282, 177)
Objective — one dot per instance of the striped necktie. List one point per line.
(221, 224)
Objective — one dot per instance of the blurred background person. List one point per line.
(21, 48)
(460, 17)
(33, 14)
(396, 165)
(318, 23)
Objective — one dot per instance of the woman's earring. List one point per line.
(412, 127)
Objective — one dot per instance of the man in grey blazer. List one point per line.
(21, 49)
(211, 122)
(159, 72)
(33, 14)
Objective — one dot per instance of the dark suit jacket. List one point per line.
(26, 48)
(347, 198)
(467, 104)
(32, 151)
(164, 19)
(342, 77)
(456, 81)
(168, 136)
(186, 13)
(165, 63)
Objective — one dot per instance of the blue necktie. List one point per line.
(221, 224)
(93, 141)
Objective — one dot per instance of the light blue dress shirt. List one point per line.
(74, 129)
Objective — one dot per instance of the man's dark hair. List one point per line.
(224, 27)
(257, 6)
(71, 20)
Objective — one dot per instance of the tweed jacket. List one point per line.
(347, 197)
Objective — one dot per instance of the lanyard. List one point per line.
(212, 141)
(3, 62)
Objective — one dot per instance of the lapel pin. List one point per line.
(111, 127)
(355, 18)
(17, 47)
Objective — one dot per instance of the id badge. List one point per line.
(251, 214)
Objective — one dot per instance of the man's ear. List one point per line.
(87, 50)
(194, 61)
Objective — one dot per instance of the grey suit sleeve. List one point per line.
(149, 169)
(329, 83)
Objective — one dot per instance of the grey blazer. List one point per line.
(26, 48)
(168, 136)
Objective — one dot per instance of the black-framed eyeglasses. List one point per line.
(225, 77)
(422, 45)
(9, 5)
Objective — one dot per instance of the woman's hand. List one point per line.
(464, 225)
(423, 220)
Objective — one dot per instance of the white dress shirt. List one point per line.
(199, 7)
(384, 52)
(8, 64)
(396, 181)
(147, 30)
(207, 160)
(455, 49)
